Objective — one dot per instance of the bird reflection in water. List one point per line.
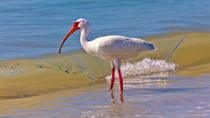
(113, 97)
(138, 82)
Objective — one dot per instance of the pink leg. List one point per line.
(121, 80)
(113, 78)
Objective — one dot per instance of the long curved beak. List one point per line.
(73, 29)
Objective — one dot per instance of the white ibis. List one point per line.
(113, 48)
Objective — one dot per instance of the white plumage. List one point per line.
(113, 48)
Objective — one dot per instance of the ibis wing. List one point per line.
(122, 47)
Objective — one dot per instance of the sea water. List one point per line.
(172, 81)
(36, 27)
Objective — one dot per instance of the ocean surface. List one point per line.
(36, 82)
(36, 27)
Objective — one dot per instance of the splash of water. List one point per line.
(145, 67)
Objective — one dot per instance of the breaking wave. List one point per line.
(145, 67)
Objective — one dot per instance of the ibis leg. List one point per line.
(113, 78)
(121, 81)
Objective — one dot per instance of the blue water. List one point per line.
(35, 27)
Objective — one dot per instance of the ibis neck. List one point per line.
(84, 37)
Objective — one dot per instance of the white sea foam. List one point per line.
(146, 67)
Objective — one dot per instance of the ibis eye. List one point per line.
(76, 23)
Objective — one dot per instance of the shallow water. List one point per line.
(149, 98)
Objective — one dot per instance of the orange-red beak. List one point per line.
(73, 29)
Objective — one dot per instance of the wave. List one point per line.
(146, 67)
(29, 77)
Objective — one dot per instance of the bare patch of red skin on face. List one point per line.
(76, 25)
